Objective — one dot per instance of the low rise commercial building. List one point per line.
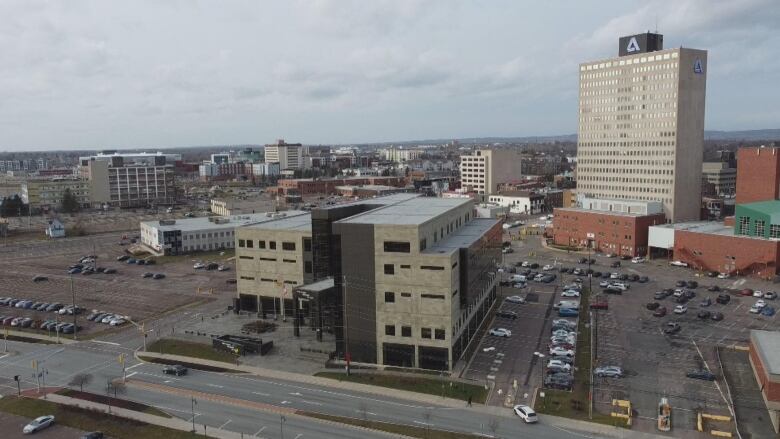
(721, 177)
(178, 236)
(368, 190)
(45, 194)
(310, 186)
(764, 357)
(130, 179)
(410, 278)
(522, 202)
(615, 232)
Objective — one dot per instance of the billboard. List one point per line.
(640, 43)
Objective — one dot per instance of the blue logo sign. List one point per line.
(697, 68)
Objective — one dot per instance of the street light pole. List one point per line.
(73, 298)
(193, 414)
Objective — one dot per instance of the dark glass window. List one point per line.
(425, 332)
(389, 269)
(397, 247)
(289, 246)
(389, 297)
(406, 331)
(389, 329)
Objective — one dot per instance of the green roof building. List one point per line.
(760, 219)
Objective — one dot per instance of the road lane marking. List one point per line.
(299, 435)
(311, 402)
(261, 393)
(223, 425)
(131, 374)
(422, 423)
(215, 385)
(295, 393)
(135, 365)
(106, 342)
(258, 432)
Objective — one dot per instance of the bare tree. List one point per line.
(80, 379)
(119, 388)
(427, 417)
(363, 409)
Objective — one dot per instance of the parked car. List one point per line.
(40, 278)
(507, 314)
(768, 311)
(568, 312)
(147, 274)
(701, 375)
(117, 321)
(643, 279)
(706, 302)
(637, 260)
(559, 381)
(74, 271)
(130, 261)
(109, 271)
(158, 276)
(558, 366)
(93, 435)
(500, 332)
(599, 304)
(723, 299)
(223, 268)
(122, 258)
(38, 424)
(660, 295)
(692, 284)
(746, 292)
(212, 266)
(527, 414)
(713, 288)
(515, 299)
(771, 295)
(723, 276)
(547, 267)
(199, 265)
(680, 309)
(760, 303)
(758, 293)
(717, 316)
(561, 352)
(678, 264)
(712, 273)
(703, 314)
(609, 371)
(570, 293)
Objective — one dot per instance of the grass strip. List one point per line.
(190, 349)
(90, 420)
(419, 384)
(114, 402)
(195, 366)
(405, 430)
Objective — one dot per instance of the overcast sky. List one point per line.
(121, 74)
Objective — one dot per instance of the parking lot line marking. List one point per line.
(132, 374)
(135, 365)
(261, 393)
(105, 342)
(215, 385)
(226, 423)
(299, 436)
(259, 431)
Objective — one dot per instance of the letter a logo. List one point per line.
(633, 45)
(697, 68)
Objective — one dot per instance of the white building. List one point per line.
(484, 169)
(641, 126)
(267, 169)
(288, 155)
(400, 155)
(130, 179)
(173, 237)
(524, 202)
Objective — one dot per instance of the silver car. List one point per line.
(609, 371)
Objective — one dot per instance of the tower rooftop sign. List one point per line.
(640, 43)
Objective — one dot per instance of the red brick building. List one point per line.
(758, 174)
(765, 361)
(706, 249)
(610, 232)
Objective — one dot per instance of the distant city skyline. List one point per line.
(116, 75)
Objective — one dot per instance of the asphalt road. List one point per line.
(232, 401)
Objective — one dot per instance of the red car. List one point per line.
(746, 292)
(7, 321)
(660, 312)
(599, 305)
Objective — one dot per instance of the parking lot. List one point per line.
(627, 335)
(126, 292)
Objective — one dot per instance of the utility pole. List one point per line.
(193, 414)
(73, 298)
(282, 420)
(590, 394)
(346, 324)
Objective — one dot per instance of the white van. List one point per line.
(517, 278)
(571, 304)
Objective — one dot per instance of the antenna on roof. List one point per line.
(656, 23)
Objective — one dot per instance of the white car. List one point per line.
(754, 309)
(561, 351)
(614, 276)
(723, 276)
(515, 299)
(679, 263)
(758, 293)
(619, 286)
(119, 321)
(637, 260)
(680, 309)
(575, 287)
(604, 283)
(38, 424)
(519, 285)
(562, 333)
(501, 332)
(525, 264)
(547, 267)
(760, 304)
(558, 364)
(199, 265)
(570, 293)
(108, 319)
(526, 413)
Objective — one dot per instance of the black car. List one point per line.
(615, 264)
(692, 284)
(93, 435)
(596, 274)
(625, 257)
(505, 283)
(723, 299)
(175, 369)
(672, 328)
(40, 278)
(703, 314)
(701, 375)
(617, 291)
(713, 288)
(212, 266)
(623, 277)
(717, 316)
(507, 314)
(534, 265)
(231, 281)
(682, 299)
(642, 279)
(563, 270)
(652, 306)
(689, 294)
(583, 260)
(633, 277)
(681, 283)
(158, 276)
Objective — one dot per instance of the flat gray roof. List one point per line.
(467, 235)
(294, 220)
(412, 211)
(710, 227)
(602, 212)
(203, 223)
(767, 345)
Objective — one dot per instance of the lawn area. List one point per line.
(190, 349)
(404, 430)
(574, 404)
(90, 420)
(114, 402)
(421, 384)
